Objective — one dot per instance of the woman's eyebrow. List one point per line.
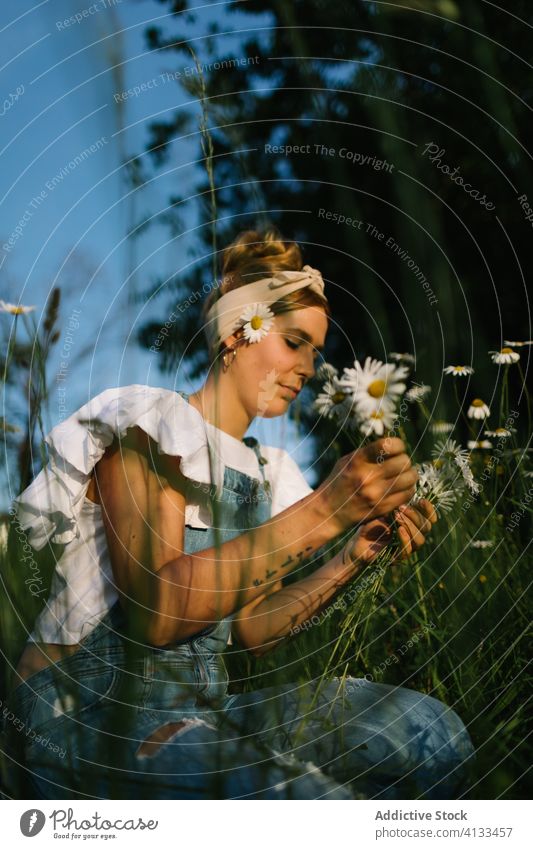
(305, 335)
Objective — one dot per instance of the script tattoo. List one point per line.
(299, 557)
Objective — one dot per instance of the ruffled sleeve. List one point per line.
(287, 481)
(49, 508)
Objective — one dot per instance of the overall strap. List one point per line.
(252, 442)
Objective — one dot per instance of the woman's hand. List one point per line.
(414, 524)
(368, 483)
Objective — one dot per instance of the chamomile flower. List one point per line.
(478, 409)
(14, 309)
(377, 422)
(401, 358)
(448, 449)
(450, 457)
(517, 344)
(375, 386)
(501, 432)
(257, 320)
(433, 485)
(335, 401)
(479, 444)
(417, 392)
(440, 426)
(458, 371)
(505, 356)
(481, 543)
(326, 371)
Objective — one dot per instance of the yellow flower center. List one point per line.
(506, 351)
(256, 322)
(377, 414)
(17, 310)
(377, 388)
(338, 397)
(482, 578)
(477, 402)
(438, 463)
(459, 368)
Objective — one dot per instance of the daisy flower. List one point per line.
(450, 456)
(501, 432)
(14, 309)
(517, 344)
(257, 320)
(433, 485)
(478, 409)
(375, 386)
(335, 401)
(458, 371)
(377, 422)
(481, 543)
(449, 450)
(475, 444)
(505, 356)
(326, 371)
(440, 426)
(417, 392)
(401, 358)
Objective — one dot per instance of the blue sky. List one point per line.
(66, 128)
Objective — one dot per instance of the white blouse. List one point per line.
(54, 507)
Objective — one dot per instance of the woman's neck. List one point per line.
(220, 405)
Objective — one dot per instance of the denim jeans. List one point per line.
(121, 720)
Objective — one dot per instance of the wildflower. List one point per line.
(257, 320)
(375, 386)
(449, 449)
(401, 358)
(482, 579)
(479, 444)
(481, 543)
(334, 400)
(417, 392)
(501, 432)
(14, 309)
(377, 422)
(440, 426)
(517, 344)
(458, 371)
(434, 485)
(478, 409)
(326, 371)
(505, 356)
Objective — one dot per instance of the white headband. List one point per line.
(223, 319)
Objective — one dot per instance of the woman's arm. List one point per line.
(263, 625)
(174, 595)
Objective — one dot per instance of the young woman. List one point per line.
(178, 535)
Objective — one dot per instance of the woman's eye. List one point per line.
(293, 345)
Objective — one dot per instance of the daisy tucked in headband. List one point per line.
(248, 307)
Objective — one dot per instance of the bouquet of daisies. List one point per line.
(368, 401)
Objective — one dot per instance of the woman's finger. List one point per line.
(417, 537)
(428, 509)
(406, 548)
(417, 517)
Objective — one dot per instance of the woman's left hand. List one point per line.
(413, 523)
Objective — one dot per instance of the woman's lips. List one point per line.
(292, 392)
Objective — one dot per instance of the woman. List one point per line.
(178, 534)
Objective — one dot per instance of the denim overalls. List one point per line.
(89, 726)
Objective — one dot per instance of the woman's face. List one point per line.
(264, 371)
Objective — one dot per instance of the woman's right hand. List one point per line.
(370, 482)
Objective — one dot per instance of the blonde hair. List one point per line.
(255, 254)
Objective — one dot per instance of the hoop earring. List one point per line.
(224, 358)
